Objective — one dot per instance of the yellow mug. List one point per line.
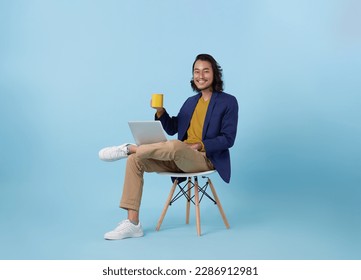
(157, 100)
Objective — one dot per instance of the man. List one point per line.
(206, 125)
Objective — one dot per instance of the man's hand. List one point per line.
(195, 146)
(160, 110)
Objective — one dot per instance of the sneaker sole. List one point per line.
(120, 238)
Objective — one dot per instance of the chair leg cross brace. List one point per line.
(195, 199)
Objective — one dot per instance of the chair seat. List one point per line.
(186, 175)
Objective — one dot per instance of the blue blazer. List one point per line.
(219, 130)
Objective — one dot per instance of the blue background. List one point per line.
(72, 73)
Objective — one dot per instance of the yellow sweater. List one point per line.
(196, 126)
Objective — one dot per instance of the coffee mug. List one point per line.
(157, 100)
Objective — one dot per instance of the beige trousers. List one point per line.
(170, 156)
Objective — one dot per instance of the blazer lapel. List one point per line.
(192, 107)
(207, 120)
(187, 116)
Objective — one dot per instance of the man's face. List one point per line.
(203, 75)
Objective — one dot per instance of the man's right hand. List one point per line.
(160, 110)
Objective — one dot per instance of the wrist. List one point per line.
(160, 112)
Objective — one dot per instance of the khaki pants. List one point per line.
(170, 156)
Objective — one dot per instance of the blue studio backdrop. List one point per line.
(72, 73)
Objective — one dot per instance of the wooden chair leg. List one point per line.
(218, 204)
(160, 221)
(188, 200)
(198, 213)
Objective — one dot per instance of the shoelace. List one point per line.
(121, 152)
(122, 223)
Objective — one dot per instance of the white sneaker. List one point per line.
(114, 153)
(125, 229)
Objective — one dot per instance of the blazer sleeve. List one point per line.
(170, 124)
(179, 124)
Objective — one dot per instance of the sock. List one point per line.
(128, 152)
(134, 223)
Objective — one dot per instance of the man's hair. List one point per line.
(217, 84)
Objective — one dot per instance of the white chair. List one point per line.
(199, 192)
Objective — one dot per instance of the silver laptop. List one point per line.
(147, 132)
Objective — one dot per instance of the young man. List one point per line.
(206, 125)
